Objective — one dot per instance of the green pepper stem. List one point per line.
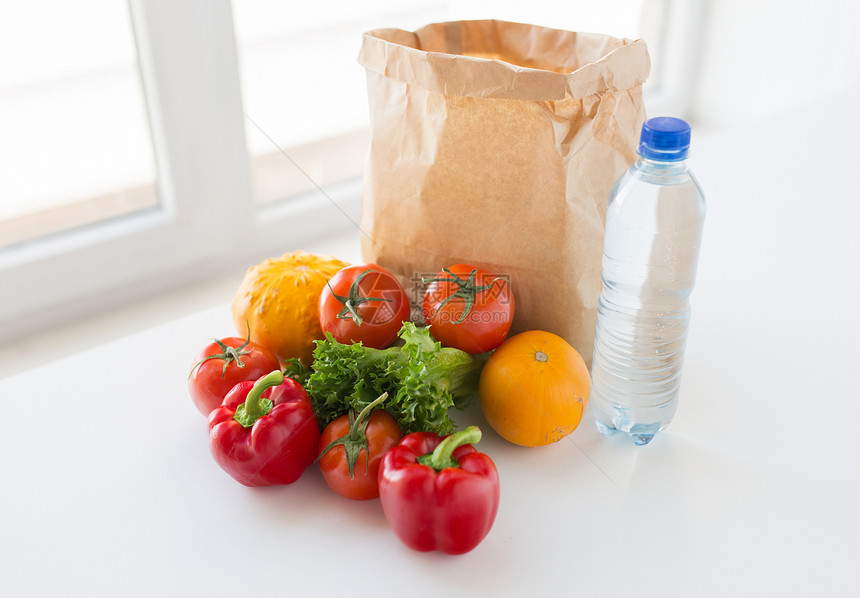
(443, 457)
(255, 406)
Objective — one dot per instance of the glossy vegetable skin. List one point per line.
(363, 303)
(221, 365)
(265, 433)
(352, 447)
(439, 494)
(468, 308)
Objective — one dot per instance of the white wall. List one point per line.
(764, 57)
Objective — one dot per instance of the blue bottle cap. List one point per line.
(664, 138)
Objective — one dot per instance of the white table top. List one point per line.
(108, 488)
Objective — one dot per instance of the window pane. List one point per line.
(74, 140)
(303, 89)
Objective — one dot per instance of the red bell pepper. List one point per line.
(263, 436)
(439, 493)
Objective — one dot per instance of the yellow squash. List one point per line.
(278, 299)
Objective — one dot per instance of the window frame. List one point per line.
(206, 218)
(681, 32)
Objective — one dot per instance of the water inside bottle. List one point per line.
(653, 233)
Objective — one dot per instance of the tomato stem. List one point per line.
(356, 438)
(255, 406)
(353, 300)
(364, 414)
(227, 353)
(467, 290)
(442, 457)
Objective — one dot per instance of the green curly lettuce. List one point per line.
(423, 379)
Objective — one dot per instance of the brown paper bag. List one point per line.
(496, 144)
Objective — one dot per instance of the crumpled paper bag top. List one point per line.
(498, 59)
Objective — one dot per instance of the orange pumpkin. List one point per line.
(534, 388)
(279, 299)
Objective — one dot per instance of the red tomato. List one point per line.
(224, 363)
(363, 303)
(354, 440)
(469, 308)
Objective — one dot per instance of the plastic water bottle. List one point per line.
(653, 232)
